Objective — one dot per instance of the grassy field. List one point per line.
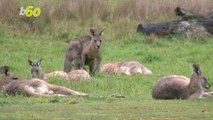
(165, 56)
(47, 37)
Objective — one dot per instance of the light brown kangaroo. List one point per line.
(37, 87)
(71, 76)
(126, 68)
(180, 87)
(136, 68)
(37, 72)
(83, 51)
(11, 85)
(114, 68)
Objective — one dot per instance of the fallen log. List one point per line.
(189, 23)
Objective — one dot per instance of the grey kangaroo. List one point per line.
(180, 87)
(36, 70)
(83, 51)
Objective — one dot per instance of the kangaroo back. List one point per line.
(137, 68)
(112, 68)
(170, 87)
(73, 56)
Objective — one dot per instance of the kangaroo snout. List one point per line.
(98, 46)
(207, 87)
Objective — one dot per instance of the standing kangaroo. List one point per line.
(83, 51)
(73, 56)
(180, 87)
(36, 70)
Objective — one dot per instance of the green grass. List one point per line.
(164, 57)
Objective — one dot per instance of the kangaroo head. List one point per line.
(199, 77)
(4, 70)
(96, 38)
(36, 70)
(7, 77)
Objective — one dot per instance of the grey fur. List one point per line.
(36, 70)
(180, 87)
(84, 51)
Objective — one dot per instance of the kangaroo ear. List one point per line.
(92, 32)
(30, 63)
(196, 68)
(101, 33)
(6, 70)
(39, 62)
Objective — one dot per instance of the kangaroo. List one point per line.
(4, 70)
(73, 56)
(36, 70)
(115, 68)
(180, 87)
(136, 67)
(37, 87)
(71, 76)
(89, 48)
(11, 85)
(6, 76)
(126, 68)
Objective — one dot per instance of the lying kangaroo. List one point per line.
(11, 85)
(71, 76)
(136, 67)
(36, 70)
(115, 68)
(6, 77)
(4, 70)
(37, 87)
(126, 68)
(84, 51)
(180, 87)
